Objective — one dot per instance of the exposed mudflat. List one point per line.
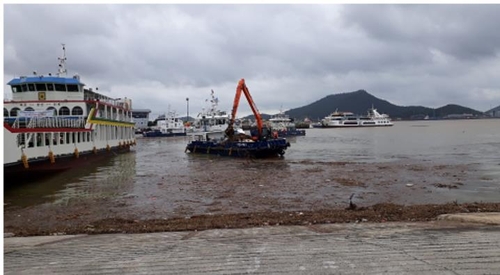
(224, 193)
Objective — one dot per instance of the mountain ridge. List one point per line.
(360, 101)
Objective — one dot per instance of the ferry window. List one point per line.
(53, 109)
(41, 87)
(77, 111)
(139, 115)
(60, 87)
(31, 87)
(29, 109)
(72, 88)
(50, 87)
(13, 111)
(5, 112)
(20, 139)
(64, 111)
(25, 88)
(17, 89)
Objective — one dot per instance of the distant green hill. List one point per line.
(360, 101)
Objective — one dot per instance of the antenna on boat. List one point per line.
(62, 62)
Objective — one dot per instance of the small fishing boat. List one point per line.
(212, 119)
(167, 126)
(285, 126)
(237, 143)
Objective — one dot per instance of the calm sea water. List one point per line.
(448, 142)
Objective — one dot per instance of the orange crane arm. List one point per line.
(242, 87)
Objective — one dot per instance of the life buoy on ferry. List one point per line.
(24, 158)
(77, 154)
(52, 158)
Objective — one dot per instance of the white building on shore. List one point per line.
(140, 118)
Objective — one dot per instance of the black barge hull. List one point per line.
(257, 149)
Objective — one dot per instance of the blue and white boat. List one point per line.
(212, 119)
(167, 126)
(285, 126)
(53, 123)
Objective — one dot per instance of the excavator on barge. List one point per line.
(262, 143)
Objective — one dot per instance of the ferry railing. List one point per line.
(57, 122)
(16, 123)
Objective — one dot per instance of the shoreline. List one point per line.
(378, 213)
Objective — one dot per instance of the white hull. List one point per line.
(336, 124)
(13, 154)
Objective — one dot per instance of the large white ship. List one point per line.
(54, 123)
(348, 119)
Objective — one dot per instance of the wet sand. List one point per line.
(223, 193)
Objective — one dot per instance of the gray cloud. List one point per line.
(290, 55)
(464, 31)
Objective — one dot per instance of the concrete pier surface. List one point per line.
(449, 245)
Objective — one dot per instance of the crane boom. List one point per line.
(242, 87)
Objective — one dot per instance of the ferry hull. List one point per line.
(258, 149)
(16, 172)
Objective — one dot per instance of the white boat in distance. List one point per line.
(167, 125)
(284, 125)
(348, 119)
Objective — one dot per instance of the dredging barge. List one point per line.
(265, 143)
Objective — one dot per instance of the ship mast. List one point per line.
(214, 102)
(62, 62)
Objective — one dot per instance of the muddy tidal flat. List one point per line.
(412, 171)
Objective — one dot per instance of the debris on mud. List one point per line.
(384, 212)
(264, 193)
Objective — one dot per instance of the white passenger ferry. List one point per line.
(348, 119)
(53, 123)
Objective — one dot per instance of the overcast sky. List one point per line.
(289, 55)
